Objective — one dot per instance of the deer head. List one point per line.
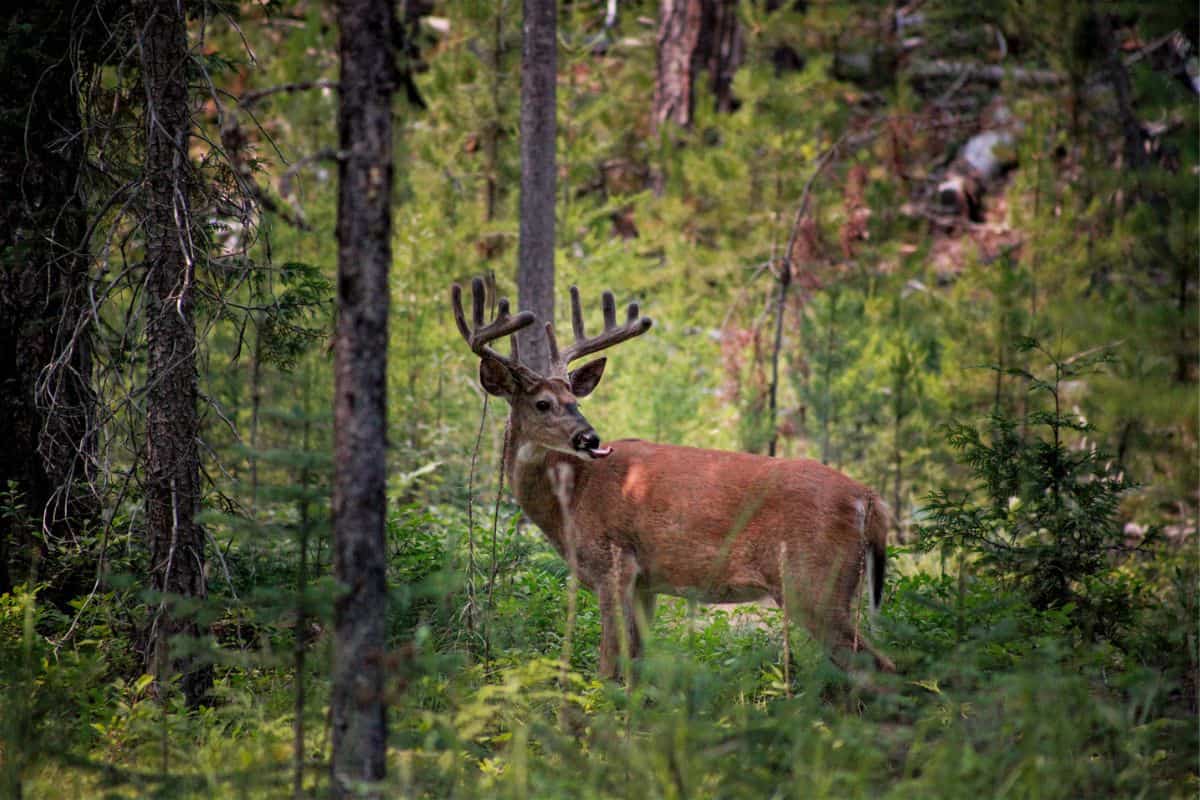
(544, 408)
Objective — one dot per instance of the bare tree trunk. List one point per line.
(827, 388)
(491, 133)
(723, 48)
(539, 126)
(694, 37)
(1118, 78)
(172, 481)
(785, 280)
(255, 408)
(898, 456)
(46, 401)
(678, 48)
(364, 225)
(300, 648)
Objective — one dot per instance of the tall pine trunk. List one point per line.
(364, 225)
(678, 61)
(172, 479)
(539, 125)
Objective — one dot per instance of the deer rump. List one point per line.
(715, 526)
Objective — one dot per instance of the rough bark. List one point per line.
(368, 81)
(46, 400)
(696, 37)
(172, 473)
(539, 124)
(678, 48)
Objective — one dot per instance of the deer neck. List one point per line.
(530, 476)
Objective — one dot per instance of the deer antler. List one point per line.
(613, 334)
(480, 335)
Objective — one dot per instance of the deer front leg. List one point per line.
(620, 637)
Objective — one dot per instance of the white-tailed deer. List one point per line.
(636, 519)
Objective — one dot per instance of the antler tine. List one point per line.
(459, 317)
(478, 301)
(577, 314)
(480, 335)
(609, 303)
(634, 325)
(552, 342)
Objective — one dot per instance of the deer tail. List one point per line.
(875, 534)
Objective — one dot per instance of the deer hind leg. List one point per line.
(837, 631)
(842, 629)
(844, 639)
(823, 594)
(617, 593)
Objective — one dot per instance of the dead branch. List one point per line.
(984, 73)
(251, 98)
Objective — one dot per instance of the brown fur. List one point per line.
(707, 524)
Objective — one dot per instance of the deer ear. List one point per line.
(585, 379)
(496, 378)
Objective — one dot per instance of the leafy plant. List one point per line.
(1043, 512)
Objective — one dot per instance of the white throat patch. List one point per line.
(526, 454)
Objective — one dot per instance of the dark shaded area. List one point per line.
(46, 400)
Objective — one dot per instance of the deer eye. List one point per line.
(542, 405)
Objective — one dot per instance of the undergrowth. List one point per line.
(993, 697)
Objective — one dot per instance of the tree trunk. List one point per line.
(723, 48)
(898, 416)
(46, 400)
(1131, 127)
(678, 48)
(785, 281)
(696, 36)
(535, 260)
(493, 126)
(364, 224)
(172, 480)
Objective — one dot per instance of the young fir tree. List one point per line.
(1043, 511)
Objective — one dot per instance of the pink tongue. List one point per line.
(599, 452)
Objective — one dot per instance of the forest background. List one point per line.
(947, 247)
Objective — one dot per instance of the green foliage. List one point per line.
(43, 691)
(1046, 511)
(287, 326)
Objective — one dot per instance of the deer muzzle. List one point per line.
(588, 441)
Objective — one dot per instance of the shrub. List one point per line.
(1043, 513)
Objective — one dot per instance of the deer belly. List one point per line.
(719, 593)
(704, 580)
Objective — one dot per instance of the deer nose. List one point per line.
(586, 440)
